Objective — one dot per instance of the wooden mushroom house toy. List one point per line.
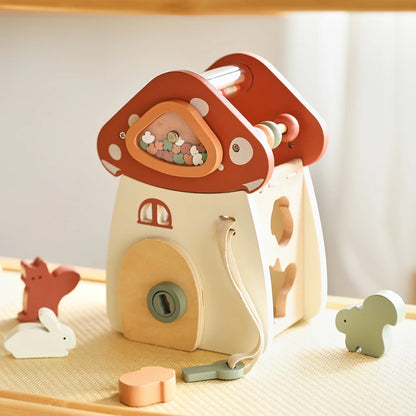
(216, 241)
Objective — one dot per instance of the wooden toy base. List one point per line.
(307, 367)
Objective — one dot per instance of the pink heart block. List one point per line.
(147, 386)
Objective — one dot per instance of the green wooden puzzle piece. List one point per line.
(178, 158)
(367, 326)
(143, 145)
(215, 371)
(167, 145)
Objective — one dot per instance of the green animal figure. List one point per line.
(367, 326)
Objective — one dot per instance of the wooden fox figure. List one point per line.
(44, 289)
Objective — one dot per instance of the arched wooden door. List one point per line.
(147, 264)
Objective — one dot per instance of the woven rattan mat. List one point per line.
(307, 370)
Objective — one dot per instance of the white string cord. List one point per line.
(225, 232)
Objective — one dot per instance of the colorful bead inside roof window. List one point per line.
(179, 145)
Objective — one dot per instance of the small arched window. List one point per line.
(154, 212)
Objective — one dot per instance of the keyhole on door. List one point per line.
(164, 303)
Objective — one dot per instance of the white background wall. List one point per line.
(63, 76)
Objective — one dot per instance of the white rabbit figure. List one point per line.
(50, 338)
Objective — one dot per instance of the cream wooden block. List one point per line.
(224, 324)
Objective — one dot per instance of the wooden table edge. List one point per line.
(87, 273)
(23, 404)
(198, 7)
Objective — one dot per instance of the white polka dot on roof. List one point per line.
(201, 106)
(132, 119)
(114, 151)
(241, 151)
